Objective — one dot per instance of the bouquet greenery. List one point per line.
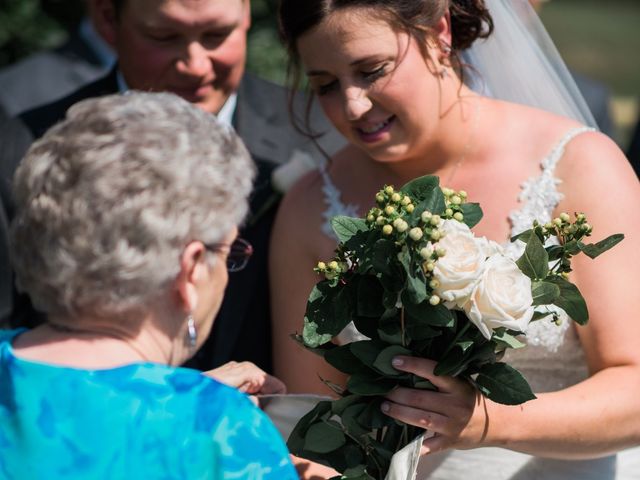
(414, 280)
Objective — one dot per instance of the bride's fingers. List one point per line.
(423, 367)
(415, 416)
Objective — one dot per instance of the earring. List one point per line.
(192, 333)
(443, 73)
(446, 48)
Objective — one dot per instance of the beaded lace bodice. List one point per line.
(554, 358)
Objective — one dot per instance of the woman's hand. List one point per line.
(248, 378)
(456, 413)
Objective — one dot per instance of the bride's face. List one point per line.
(373, 84)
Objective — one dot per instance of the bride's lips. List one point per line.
(373, 132)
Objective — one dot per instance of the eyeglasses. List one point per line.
(239, 253)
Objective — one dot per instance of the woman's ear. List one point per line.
(104, 18)
(443, 32)
(192, 267)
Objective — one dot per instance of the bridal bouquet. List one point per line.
(413, 279)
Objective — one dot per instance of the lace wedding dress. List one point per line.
(553, 359)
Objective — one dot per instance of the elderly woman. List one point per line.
(125, 228)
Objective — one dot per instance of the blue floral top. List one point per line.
(142, 421)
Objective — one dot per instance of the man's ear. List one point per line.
(246, 20)
(192, 263)
(104, 18)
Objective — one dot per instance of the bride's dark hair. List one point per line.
(470, 20)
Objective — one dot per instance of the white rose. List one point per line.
(502, 297)
(284, 176)
(489, 247)
(460, 268)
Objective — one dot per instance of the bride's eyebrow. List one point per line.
(355, 63)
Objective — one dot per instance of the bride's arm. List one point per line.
(601, 414)
(297, 244)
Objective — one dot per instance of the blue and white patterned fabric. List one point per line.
(143, 421)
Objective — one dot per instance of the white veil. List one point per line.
(520, 63)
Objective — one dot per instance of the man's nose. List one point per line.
(357, 102)
(196, 61)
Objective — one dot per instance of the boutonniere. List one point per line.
(283, 177)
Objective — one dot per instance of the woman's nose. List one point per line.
(357, 102)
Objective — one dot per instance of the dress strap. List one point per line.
(550, 161)
(333, 201)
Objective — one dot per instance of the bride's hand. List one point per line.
(248, 378)
(456, 413)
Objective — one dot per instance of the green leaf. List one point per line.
(365, 384)
(366, 350)
(384, 252)
(544, 293)
(504, 384)
(370, 292)
(571, 301)
(347, 227)
(342, 359)
(522, 236)
(323, 438)
(416, 288)
(534, 262)
(502, 337)
(339, 406)
(295, 442)
(310, 335)
(594, 249)
(472, 214)
(420, 188)
(426, 314)
(383, 360)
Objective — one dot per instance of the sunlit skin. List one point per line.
(194, 48)
(404, 119)
(364, 74)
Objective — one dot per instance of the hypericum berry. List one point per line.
(462, 194)
(580, 217)
(425, 253)
(321, 266)
(388, 190)
(429, 266)
(435, 220)
(434, 283)
(441, 252)
(565, 275)
(381, 220)
(370, 218)
(396, 198)
(333, 265)
(447, 192)
(415, 233)
(387, 230)
(565, 217)
(557, 222)
(434, 300)
(425, 216)
(448, 212)
(435, 235)
(410, 207)
(455, 199)
(549, 226)
(585, 227)
(400, 225)
(389, 210)
(406, 200)
(458, 216)
(380, 198)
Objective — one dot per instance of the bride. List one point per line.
(389, 76)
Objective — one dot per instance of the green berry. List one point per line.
(458, 216)
(415, 233)
(434, 300)
(387, 230)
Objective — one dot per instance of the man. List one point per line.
(197, 49)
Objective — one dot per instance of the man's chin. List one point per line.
(208, 104)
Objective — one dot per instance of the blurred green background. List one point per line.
(598, 38)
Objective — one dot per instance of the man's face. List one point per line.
(193, 48)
